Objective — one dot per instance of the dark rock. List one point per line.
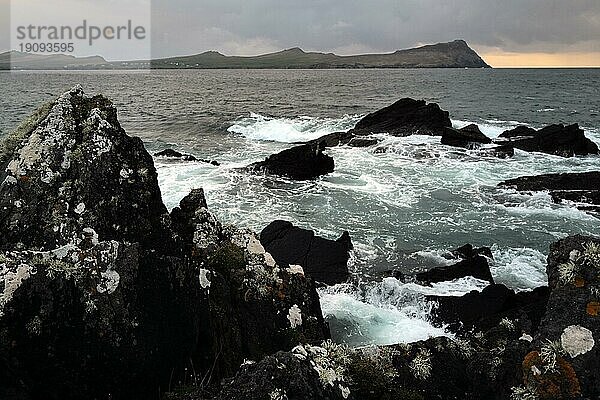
(170, 153)
(118, 299)
(363, 142)
(571, 320)
(476, 267)
(468, 137)
(280, 376)
(299, 163)
(333, 139)
(324, 260)
(77, 169)
(97, 300)
(468, 251)
(174, 154)
(486, 309)
(519, 131)
(560, 140)
(405, 117)
(499, 151)
(581, 187)
(474, 263)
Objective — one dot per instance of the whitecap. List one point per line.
(290, 130)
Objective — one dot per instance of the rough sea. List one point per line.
(404, 207)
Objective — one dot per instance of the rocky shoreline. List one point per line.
(106, 295)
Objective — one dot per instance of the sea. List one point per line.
(406, 202)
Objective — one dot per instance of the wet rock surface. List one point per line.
(405, 117)
(323, 259)
(469, 136)
(171, 154)
(582, 188)
(302, 162)
(473, 263)
(560, 140)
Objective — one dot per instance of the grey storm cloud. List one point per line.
(242, 26)
(353, 26)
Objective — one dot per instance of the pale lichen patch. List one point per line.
(295, 316)
(109, 282)
(577, 340)
(203, 278)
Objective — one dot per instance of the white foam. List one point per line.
(377, 316)
(520, 269)
(290, 130)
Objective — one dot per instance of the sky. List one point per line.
(506, 33)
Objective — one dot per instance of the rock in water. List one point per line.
(404, 118)
(560, 140)
(519, 131)
(299, 163)
(582, 188)
(469, 136)
(324, 260)
(95, 297)
(476, 267)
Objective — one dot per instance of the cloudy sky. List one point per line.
(507, 32)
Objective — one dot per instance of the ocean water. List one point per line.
(404, 208)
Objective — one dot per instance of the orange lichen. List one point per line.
(593, 308)
(579, 282)
(562, 383)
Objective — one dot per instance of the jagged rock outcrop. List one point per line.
(560, 140)
(103, 293)
(566, 344)
(582, 188)
(302, 162)
(96, 297)
(404, 118)
(323, 259)
(469, 136)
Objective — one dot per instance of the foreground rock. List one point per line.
(324, 260)
(86, 253)
(302, 162)
(538, 345)
(566, 345)
(474, 263)
(106, 295)
(560, 140)
(404, 118)
(470, 136)
(582, 188)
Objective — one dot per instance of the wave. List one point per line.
(290, 130)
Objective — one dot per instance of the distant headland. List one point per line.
(455, 54)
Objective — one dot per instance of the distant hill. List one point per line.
(18, 60)
(456, 54)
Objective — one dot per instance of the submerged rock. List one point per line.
(560, 140)
(174, 154)
(476, 266)
(469, 136)
(302, 162)
(405, 117)
(323, 259)
(344, 138)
